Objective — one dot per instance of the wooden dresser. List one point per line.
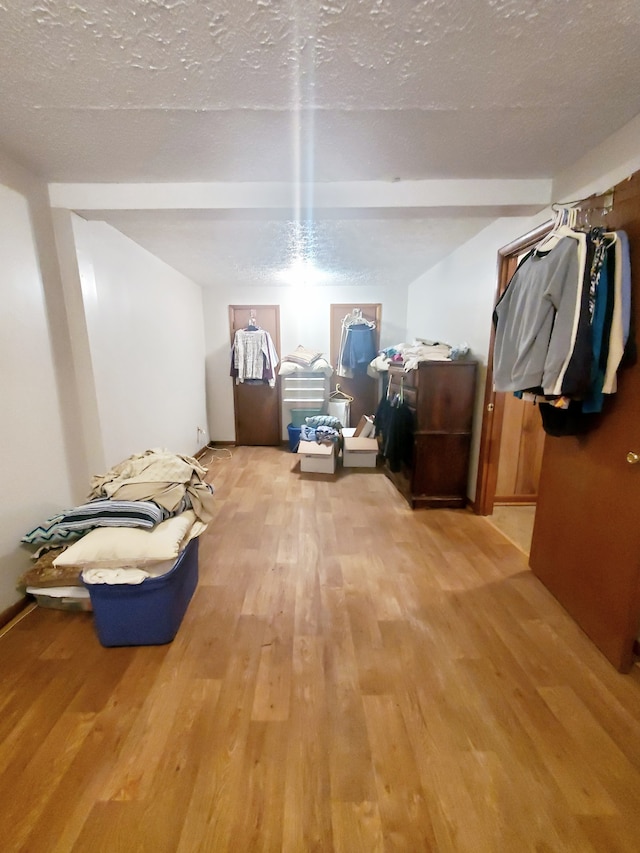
(441, 395)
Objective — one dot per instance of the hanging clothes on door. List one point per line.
(358, 344)
(563, 325)
(253, 356)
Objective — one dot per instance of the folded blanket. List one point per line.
(323, 420)
(77, 592)
(43, 574)
(303, 356)
(159, 476)
(115, 576)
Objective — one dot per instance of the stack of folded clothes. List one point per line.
(140, 516)
(303, 360)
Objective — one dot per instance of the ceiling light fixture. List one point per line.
(302, 272)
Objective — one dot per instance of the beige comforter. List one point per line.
(160, 476)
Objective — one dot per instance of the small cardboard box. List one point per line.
(359, 452)
(317, 458)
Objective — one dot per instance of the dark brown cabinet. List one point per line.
(441, 395)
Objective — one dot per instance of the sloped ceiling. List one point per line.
(321, 91)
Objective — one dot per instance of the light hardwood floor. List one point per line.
(350, 676)
(516, 523)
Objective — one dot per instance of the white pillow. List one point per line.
(117, 547)
(322, 366)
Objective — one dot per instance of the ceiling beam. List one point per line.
(512, 197)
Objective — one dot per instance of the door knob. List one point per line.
(633, 458)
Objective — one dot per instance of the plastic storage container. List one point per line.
(149, 613)
(298, 415)
(294, 437)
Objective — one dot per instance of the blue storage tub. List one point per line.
(149, 613)
(294, 437)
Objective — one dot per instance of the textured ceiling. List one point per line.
(321, 90)
(209, 249)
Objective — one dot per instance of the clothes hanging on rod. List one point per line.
(253, 357)
(563, 324)
(395, 424)
(357, 344)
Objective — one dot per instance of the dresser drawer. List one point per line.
(409, 379)
(410, 396)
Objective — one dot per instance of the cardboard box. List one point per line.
(359, 452)
(317, 458)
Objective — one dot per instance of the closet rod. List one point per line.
(607, 202)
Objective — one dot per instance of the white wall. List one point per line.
(33, 460)
(607, 164)
(145, 331)
(453, 301)
(141, 372)
(304, 319)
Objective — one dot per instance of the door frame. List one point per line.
(493, 407)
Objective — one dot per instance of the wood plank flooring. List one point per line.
(516, 523)
(350, 676)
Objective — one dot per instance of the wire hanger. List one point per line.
(355, 318)
(566, 218)
(338, 394)
(564, 225)
(252, 325)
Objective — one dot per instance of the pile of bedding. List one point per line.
(140, 516)
(323, 429)
(303, 360)
(409, 355)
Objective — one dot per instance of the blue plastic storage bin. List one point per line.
(149, 613)
(294, 437)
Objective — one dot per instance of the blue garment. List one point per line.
(594, 399)
(359, 347)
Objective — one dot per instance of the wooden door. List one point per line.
(362, 387)
(510, 442)
(586, 538)
(256, 406)
(520, 454)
